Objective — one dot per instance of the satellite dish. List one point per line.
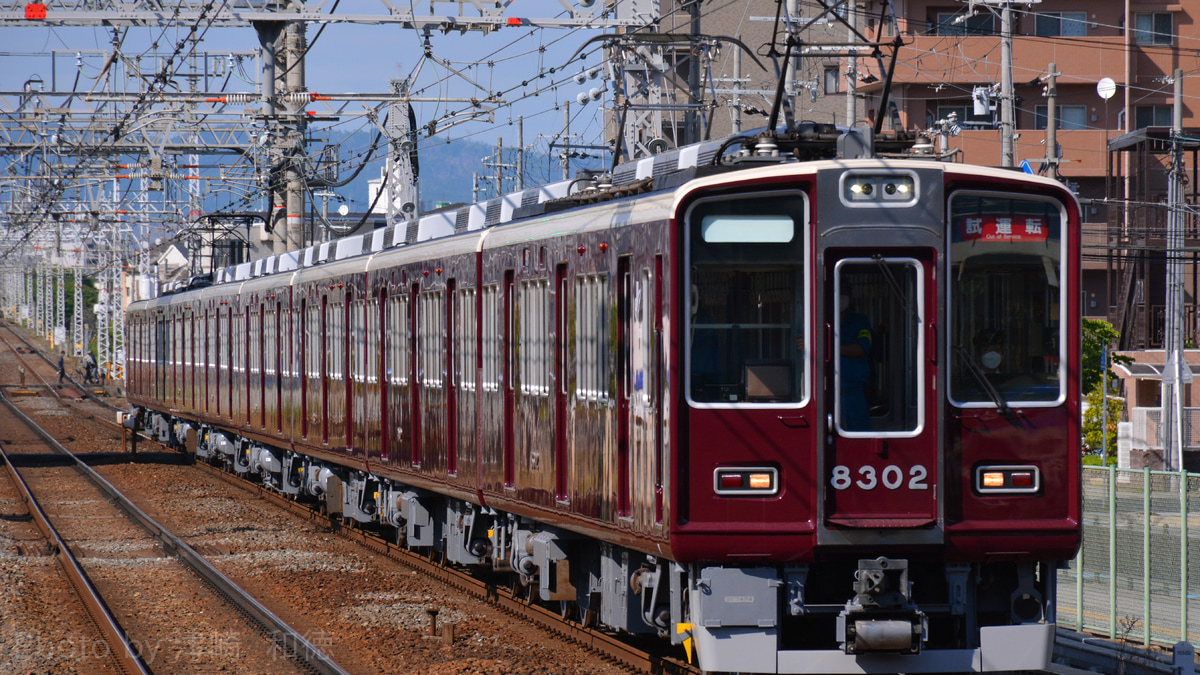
(343, 210)
(658, 146)
(1106, 88)
(586, 3)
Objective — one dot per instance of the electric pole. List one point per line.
(1006, 86)
(1052, 122)
(851, 70)
(1175, 372)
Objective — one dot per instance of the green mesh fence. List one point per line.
(1137, 575)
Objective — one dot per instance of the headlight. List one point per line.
(892, 189)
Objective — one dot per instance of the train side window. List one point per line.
(467, 338)
(490, 334)
(358, 334)
(747, 324)
(534, 348)
(371, 335)
(1007, 301)
(398, 340)
(430, 332)
(591, 331)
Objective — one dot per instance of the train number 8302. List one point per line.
(891, 477)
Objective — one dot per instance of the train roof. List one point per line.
(819, 145)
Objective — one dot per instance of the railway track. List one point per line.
(42, 369)
(159, 605)
(513, 601)
(38, 395)
(597, 646)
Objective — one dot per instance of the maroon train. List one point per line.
(811, 416)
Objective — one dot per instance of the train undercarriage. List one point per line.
(852, 612)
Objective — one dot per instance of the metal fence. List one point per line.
(1146, 434)
(1137, 575)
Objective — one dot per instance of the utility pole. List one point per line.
(294, 44)
(1052, 122)
(737, 97)
(1175, 372)
(793, 63)
(566, 163)
(520, 153)
(499, 166)
(1006, 86)
(851, 70)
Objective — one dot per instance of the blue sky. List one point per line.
(362, 59)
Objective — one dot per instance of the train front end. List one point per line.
(877, 438)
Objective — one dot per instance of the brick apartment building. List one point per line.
(1114, 151)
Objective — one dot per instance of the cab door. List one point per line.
(881, 439)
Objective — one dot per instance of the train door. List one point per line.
(562, 472)
(639, 349)
(882, 445)
(624, 369)
(358, 382)
(508, 379)
(451, 337)
(414, 400)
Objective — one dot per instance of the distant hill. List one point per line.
(446, 169)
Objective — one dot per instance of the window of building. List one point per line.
(832, 79)
(1064, 24)
(1152, 116)
(1067, 117)
(1153, 28)
(958, 23)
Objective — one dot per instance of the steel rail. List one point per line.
(84, 390)
(123, 652)
(34, 348)
(500, 596)
(288, 638)
(29, 369)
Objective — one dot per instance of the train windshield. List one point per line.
(1006, 300)
(746, 261)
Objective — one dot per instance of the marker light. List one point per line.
(1007, 479)
(894, 189)
(746, 481)
(760, 481)
(898, 188)
(861, 189)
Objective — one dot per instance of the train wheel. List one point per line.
(566, 610)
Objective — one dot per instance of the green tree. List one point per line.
(1093, 424)
(1096, 334)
